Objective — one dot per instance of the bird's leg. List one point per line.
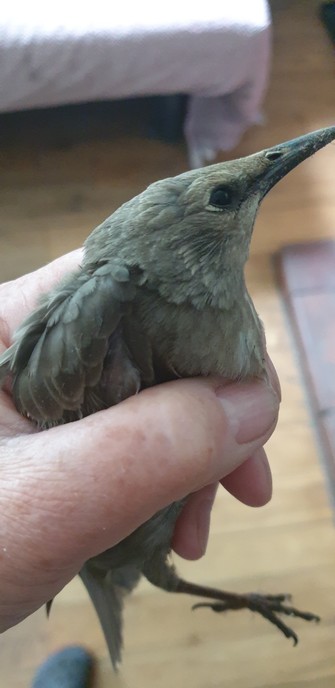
(160, 573)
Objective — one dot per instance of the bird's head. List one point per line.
(190, 234)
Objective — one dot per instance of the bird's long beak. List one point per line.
(281, 159)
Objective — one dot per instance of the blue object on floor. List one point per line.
(327, 13)
(68, 668)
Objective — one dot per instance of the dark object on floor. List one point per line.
(158, 117)
(327, 14)
(167, 116)
(71, 667)
(307, 277)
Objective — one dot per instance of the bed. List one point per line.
(217, 53)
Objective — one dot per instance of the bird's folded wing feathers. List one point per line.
(58, 352)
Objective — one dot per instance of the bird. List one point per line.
(160, 294)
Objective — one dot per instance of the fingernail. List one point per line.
(251, 408)
(203, 523)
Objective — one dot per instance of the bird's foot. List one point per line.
(268, 606)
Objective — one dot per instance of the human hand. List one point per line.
(73, 491)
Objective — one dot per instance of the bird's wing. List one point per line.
(57, 358)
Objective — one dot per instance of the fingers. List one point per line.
(192, 528)
(119, 466)
(76, 490)
(250, 483)
(16, 303)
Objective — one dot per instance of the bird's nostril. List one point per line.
(274, 155)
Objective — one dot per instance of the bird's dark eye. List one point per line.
(221, 197)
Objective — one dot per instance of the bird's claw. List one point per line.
(266, 605)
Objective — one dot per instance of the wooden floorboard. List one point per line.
(50, 199)
(306, 273)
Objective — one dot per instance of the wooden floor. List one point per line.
(50, 199)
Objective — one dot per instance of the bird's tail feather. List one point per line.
(108, 602)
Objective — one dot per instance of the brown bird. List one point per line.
(160, 294)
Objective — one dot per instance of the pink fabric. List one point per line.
(67, 52)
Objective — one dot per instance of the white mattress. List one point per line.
(68, 52)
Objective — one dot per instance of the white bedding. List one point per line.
(68, 52)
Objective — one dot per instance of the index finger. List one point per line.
(19, 297)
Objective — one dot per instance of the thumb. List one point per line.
(77, 489)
